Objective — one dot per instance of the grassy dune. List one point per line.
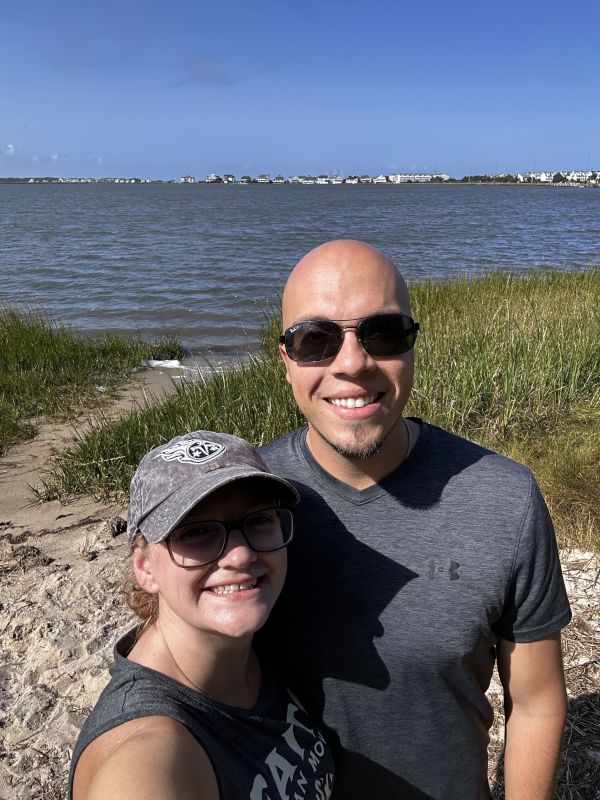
(510, 361)
(46, 370)
(514, 363)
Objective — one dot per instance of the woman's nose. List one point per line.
(237, 550)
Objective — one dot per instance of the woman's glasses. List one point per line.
(320, 339)
(197, 544)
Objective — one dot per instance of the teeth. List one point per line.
(233, 587)
(353, 402)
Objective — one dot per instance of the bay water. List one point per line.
(206, 262)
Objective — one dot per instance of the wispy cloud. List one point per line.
(92, 159)
(62, 157)
(108, 52)
(206, 70)
(36, 158)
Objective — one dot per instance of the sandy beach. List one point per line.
(61, 610)
(61, 607)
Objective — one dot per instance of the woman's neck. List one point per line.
(226, 670)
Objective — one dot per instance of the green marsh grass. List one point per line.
(513, 362)
(504, 354)
(510, 361)
(46, 370)
(250, 400)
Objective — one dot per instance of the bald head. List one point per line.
(353, 399)
(340, 276)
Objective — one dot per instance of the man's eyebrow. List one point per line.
(323, 318)
(314, 318)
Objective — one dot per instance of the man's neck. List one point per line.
(360, 473)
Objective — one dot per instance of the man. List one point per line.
(420, 559)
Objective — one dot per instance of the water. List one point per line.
(205, 262)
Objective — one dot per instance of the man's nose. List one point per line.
(352, 358)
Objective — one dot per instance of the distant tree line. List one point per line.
(489, 179)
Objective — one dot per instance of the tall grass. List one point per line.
(47, 370)
(251, 401)
(504, 354)
(510, 361)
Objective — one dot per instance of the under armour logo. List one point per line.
(450, 568)
(192, 451)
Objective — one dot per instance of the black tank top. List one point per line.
(272, 751)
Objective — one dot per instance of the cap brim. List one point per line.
(159, 523)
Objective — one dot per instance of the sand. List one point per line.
(61, 569)
(61, 610)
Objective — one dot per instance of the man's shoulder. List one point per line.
(288, 457)
(284, 446)
(465, 456)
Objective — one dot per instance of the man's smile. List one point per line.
(354, 402)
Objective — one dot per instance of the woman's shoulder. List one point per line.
(136, 735)
(147, 757)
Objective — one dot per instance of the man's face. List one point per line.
(327, 392)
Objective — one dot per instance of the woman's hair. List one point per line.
(142, 603)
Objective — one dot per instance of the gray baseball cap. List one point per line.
(174, 477)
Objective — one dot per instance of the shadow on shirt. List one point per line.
(328, 614)
(333, 610)
(327, 621)
(358, 776)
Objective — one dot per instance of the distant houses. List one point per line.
(578, 178)
(566, 178)
(322, 180)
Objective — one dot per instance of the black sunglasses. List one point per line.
(320, 339)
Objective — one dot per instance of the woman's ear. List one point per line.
(143, 568)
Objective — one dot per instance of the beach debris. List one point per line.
(117, 526)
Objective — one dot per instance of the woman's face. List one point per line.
(232, 596)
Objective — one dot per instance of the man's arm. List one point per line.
(535, 705)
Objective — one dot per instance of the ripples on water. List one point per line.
(206, 262)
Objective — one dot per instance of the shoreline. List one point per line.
(22, 465)
(38, 181)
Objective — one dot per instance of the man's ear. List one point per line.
(142, 567)
(286, 361)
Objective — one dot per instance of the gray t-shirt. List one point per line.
(273, 750)
(395, 598)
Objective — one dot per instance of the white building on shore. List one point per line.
(417, 177)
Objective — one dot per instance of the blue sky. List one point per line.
(158, 90)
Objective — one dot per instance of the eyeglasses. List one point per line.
(320, 339)
(200, 543)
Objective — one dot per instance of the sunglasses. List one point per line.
(321, 339)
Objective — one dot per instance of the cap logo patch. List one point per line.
(192, 451)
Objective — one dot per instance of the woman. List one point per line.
(190, 713)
